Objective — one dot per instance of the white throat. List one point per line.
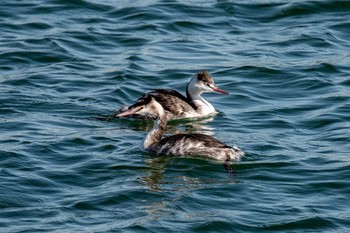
(194, 92)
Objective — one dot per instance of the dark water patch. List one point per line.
(270, 12)
(324, 68)
(310, 223)
(134, 13)
(301, 43)
(26, 57)
(130, 40)
(182, 26)
(263, 72)
(11, 159)
(346, 82)
(28, 26)
(340, 32)
(214, 225)
(53, 7)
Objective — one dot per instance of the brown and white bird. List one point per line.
(194, 145)
(177, 106)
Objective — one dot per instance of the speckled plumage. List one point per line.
(195, 145)
(175, 104)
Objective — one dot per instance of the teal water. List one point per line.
(64, 63)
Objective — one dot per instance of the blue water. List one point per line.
(64, 64)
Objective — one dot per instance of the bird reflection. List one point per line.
(193, 125)
(157, 179)
(154, 175)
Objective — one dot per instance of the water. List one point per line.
(64, 63)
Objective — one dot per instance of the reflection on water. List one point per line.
(197, 125)
(157, 179)
(178, 179)
(193, 125)
(155, 172)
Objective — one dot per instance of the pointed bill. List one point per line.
(129, 112)
(219, 90)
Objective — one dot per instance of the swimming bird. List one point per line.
(177, 106)
(194, 145)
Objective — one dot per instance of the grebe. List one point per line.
(200, 145)
(193, 105)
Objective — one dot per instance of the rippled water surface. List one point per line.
(63, 64)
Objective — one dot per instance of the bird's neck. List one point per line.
(155, 135)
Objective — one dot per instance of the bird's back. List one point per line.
(198, 145)
(174, 103)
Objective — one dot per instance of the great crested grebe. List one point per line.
(177, 106)
(199, 145)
